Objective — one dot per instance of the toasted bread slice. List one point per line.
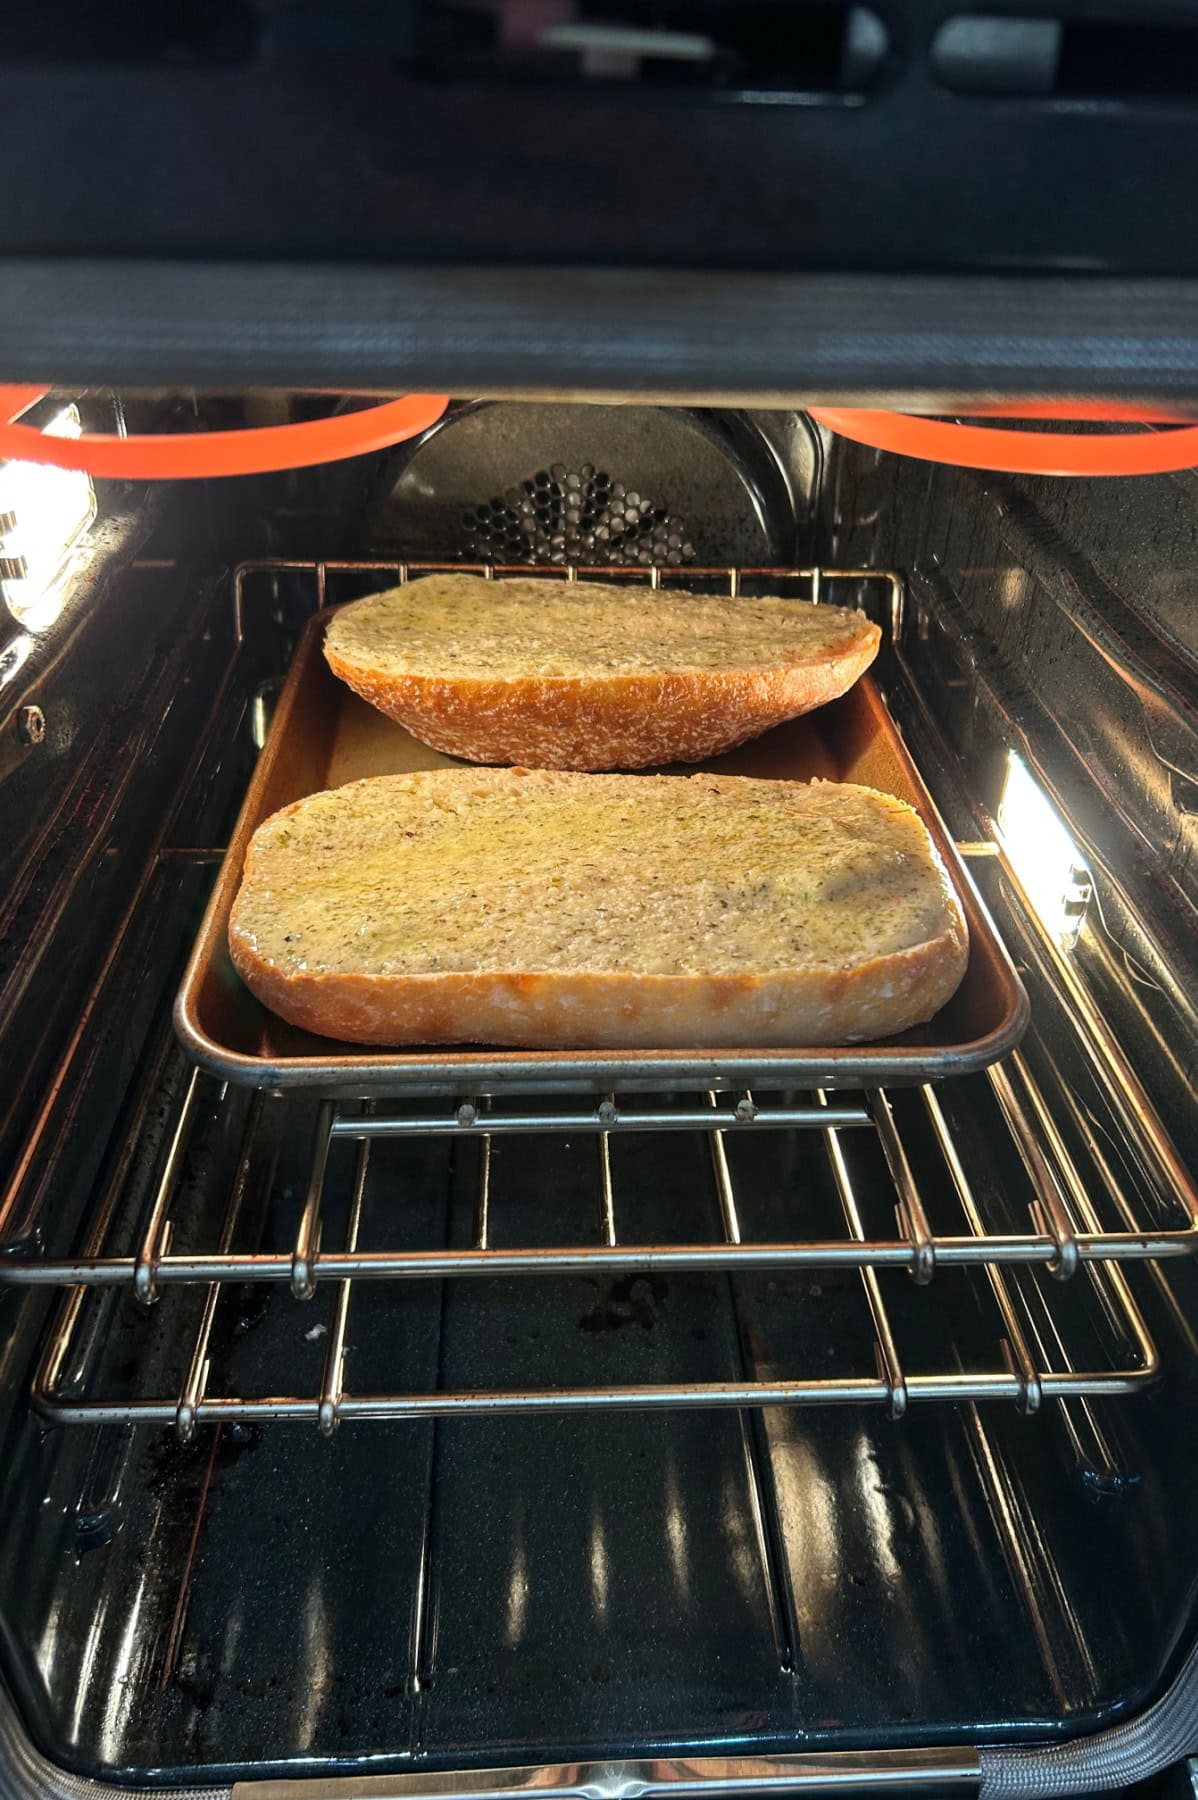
(585, 675)
(553, 910)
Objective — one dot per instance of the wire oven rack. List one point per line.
(1081, 1227)
(1064, 1238)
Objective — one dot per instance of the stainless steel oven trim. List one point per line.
(848, 1772)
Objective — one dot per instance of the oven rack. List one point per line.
(1031, 1363)
(1083, 1222)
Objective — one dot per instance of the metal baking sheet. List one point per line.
(323, 735)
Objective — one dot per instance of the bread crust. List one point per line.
(619, 722)
(566, 1009)
(809, 1008)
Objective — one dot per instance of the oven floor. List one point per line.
(529, 1588)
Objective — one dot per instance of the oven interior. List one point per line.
(476, 1507)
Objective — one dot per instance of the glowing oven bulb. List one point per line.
(1049, 864)
(43, 513)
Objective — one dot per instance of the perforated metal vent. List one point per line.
(582, 515)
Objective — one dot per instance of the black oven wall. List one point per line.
(1057, 618)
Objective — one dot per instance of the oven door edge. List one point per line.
(733, 337)
(1132, 1752)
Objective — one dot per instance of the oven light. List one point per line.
(44, 512)
(1048, 863)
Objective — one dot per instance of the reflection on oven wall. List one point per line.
(1055, 619)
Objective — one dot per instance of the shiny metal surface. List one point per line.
(1138, 1119)
(1067, 1235)
(31, 720)
(1128, 1753)
(867, 1772)
(322, 736)
(605, 1117)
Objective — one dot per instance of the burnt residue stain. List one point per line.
(176, 1473)
(198, 1681)
(253, 1303)
(236, 1439)
(633, 1300)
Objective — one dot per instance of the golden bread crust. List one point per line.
(628, 722)
(303, 944)
(591, 677)
(553, 1011)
